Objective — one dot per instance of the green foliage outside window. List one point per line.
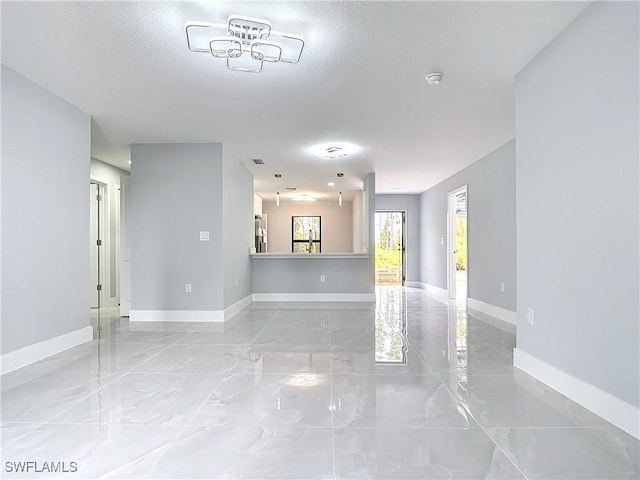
(461, 243)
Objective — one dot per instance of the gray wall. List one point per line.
(491, 228)
(238, 228)
(300, 275)
(411, 204)
(578, 203)
(176, 192)
(336, 224)
(111, 175)
(45, 214)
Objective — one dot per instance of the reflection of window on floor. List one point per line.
(305, 235)
(391, 326)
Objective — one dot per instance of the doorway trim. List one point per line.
(97, 207)
(451, 240)
(403, 239)
(110, 236)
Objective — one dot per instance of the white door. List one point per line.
(125, 248)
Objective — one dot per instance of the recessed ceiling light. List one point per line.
(332, 184)
(129, 162)
(434, 78)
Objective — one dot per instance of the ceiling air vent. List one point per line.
(293, 189)
(258, 161)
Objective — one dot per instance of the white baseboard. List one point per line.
(492, 314)
(436, 292)
(32, 353)
(176, 316)
(314, 297)
(414, 284)
(236, 307)
(616, 411)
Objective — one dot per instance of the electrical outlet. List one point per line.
(503, 287)
(322, 279)
(187, 288)
(237, 283)
(441, 240)
(530, 316)
(430, 271)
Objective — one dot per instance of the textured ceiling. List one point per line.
(360, 80)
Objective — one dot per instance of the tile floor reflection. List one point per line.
(408, 388)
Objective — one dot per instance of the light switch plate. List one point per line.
(204, 236)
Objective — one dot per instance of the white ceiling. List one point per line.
(360, 80)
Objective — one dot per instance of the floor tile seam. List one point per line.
(482, 427)
(405, 427)
(116, 338)
(253, 343)
(508, 457)
(276, 374)
(138, 365)
(117, 424)
(530, 427)
(3, 446)
(333, 437)
(499, 351)
(168, 447)
(201, 374)
(460, 402)
(213, 344)
(83, 398)
(390, 374)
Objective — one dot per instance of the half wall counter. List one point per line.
(313, 277)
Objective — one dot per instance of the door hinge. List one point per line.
(98, 287)
(99, 198)
(99, 243)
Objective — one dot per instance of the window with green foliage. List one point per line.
(305, 234)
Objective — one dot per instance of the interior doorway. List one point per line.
(457, 264)
(390, 247)
(95, 244)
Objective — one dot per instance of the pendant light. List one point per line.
(340, 175)
(278, 177)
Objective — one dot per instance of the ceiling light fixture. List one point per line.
(244, 42)
(278, 177)
(434, 78)
(340, 175)
(333, 150)
(304, 198)
(332, 184)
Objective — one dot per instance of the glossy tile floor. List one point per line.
(408, 388)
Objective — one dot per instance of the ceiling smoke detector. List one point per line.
(434, 78)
